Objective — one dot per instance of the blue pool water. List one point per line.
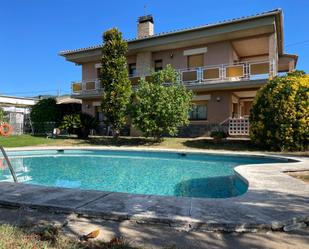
(156, 173)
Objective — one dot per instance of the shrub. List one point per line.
(279, 118)
(44, 115)
(71, 123)
(218, 135)
(161, 109)
(80, 124)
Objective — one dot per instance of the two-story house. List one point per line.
(224, 64)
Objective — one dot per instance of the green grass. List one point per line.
(173, 143)
(12, 237)
(24, 140)
(167, 143)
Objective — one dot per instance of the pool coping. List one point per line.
(274, 200)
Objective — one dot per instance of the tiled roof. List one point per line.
(266, 13)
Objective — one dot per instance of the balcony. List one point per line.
(241, 71)
(86, 87)
(227, 72)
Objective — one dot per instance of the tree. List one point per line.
(279, 118)
(115, 81)
(44, 115)
(159, 108)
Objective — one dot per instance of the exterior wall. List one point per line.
(273, 52)
(87, 106)
(219, 106)
(89, 71)
(131, 59)
(256, 58)
(143, 63)
(217, 53)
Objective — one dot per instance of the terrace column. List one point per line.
(273, 54)
(143, 63)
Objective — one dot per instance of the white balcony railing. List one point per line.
(228, 72)
(91, 86)
(240, 71)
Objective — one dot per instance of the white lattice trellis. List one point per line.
(239, 126)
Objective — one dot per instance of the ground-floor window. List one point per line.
(199, 112)
(158, 65)
(99, 114)
(132, 69)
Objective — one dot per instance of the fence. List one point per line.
(16, 120)
(22, 124)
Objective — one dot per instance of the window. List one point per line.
(195, 60)
(98, 72)
(132, 69)
(99, 114)
(199, 112)
(158, 65)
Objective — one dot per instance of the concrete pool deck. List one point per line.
(274, 200)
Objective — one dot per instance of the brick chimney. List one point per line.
(145, 26)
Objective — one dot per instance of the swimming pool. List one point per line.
(137, 172)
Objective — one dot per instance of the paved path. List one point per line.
(154, 236)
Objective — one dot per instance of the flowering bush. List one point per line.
(279, 118)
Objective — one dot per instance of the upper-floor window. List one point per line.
(132, 69)
(158, 65)
(196, 60)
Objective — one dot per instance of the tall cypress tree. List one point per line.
(115, 81)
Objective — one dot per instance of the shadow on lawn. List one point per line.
(122, 141)
(198, 143)
(239, 145)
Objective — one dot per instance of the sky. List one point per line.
(32, 32)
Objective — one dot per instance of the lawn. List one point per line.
(49, 238)
(173, 143)
(167, 143)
